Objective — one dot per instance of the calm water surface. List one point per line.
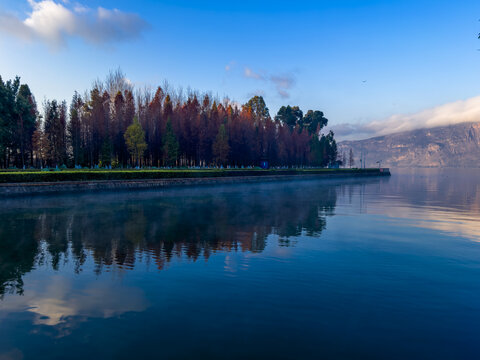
(369, 268)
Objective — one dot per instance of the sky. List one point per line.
(371, 66)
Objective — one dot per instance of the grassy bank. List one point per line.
(29, 176)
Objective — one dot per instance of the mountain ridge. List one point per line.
(455, 145)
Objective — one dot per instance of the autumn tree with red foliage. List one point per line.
(180, 130)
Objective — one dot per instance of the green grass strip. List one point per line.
(27, 176)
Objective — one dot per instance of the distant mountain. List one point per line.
(447, 146)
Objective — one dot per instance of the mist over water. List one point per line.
(373, 268)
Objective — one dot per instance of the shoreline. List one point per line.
(62, 187)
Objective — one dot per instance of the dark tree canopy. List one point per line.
(314, 121)
(289, 115)
(293, 117)
(18, 121)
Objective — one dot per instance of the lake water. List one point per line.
(367, 268)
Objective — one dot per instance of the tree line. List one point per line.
(112, 125)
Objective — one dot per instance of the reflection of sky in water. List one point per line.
(457, 223)
(353, 266)
(55, 301)
(439, 199)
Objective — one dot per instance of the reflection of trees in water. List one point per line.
(18, 251)
(158, 228)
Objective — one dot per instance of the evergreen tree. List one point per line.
(170, 145)
(75, 130)
(314, 121)
(8, 91)
(290, 116)
(332, 151)
(26, 114)
(221, 147)
(55, 132)
(106, 152)
(18, 116)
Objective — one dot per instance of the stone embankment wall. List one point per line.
(18, 189)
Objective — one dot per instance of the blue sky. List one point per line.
(358, 61)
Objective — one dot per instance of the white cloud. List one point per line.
(50, 20)
(53, 22)
(249, 73)
(448, 114)
(230, 66)
(282, 83)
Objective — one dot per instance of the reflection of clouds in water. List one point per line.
(14, 354)
(446, 200)
(454, 221)
(445, 220)
(55, 303)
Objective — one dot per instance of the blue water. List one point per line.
(366, 268)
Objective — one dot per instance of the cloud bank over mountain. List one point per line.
(457, 112)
